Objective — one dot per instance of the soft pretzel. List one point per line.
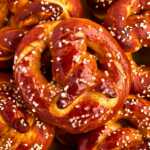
(9, 40)
(129, 22)
(42, 10)
(80, 96)
(19, 129)
(128, 130)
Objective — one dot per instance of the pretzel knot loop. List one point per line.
(90, 74)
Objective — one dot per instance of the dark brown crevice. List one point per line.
(100, 66)
(142, 57)
(46, 64)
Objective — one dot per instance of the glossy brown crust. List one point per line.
(9, 40)
(80, 96)
(121, 135)
(39, 11)
(129, 23)
(19, 129)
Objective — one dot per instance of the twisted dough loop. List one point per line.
(9, 40)
(116, 134)
(132, 29)
(19, 129)
(80, 96)
(43, 10)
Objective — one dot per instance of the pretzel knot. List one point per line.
(19, 129)
(9, 40)
(86, 87)
(37, 11)
(129, 22)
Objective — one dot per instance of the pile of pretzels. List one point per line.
(74, 73)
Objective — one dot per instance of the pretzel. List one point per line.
(9, 40)
(80, 97)
(42, 10)
(116, 134)
(132, 29)
(99, 7)
(19, 128)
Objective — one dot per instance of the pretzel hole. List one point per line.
(46, 66)
(92, 52)
(142, 56)
(125, 123)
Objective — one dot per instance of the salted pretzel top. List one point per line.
(19, 129)
(37, 11)
(80, 96)
(130, 28)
